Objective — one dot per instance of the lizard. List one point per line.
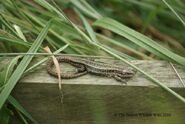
(85, 66)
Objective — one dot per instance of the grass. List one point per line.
(73, 32)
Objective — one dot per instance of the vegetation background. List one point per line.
(124, 29)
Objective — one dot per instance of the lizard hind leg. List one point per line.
(123, 80)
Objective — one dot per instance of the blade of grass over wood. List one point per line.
(22, 117)
(5, 115)
(22, 66)
(10, 68)
(18, 107)
(146, 74)
(140, 40)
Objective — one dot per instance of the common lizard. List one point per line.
(85, 66)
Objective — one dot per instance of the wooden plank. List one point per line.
(158, 69)
(101, 103)
(94, 99)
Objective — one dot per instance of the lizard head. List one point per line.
(127, 73)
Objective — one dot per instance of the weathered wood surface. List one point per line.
(101, 100)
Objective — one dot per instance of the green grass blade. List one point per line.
(10, 68)
(22, 117)
(90, 8)
(86, 9)
(18, 107)
(45, 59)
(22, 66)
(62, 16)
(51, 8)
(5, 115)
(14, 41)
(182, 21)
(140, 40)
(112, 41)
(143, 72)
(123, 55)
(87, 26)
(20, 33)
(7, 24)
(133, 33)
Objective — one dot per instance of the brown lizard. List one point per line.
(85, 66)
